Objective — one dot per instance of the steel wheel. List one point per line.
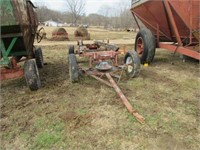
(129, 63)
(132, 61)
(145, 45)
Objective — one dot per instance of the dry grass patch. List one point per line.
(89, 115)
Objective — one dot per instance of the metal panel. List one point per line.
(172, 20)
(18, 18)
(153, 15)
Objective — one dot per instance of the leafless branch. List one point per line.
(76, 8)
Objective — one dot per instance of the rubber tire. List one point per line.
(18, 58)
(73, 68)
(149, 45)
(133, 55)
(71, 49)
(39, 57)
(32, 75)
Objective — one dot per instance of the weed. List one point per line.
(131, 118)
(82, 111)
(7, 136)
(45, 140)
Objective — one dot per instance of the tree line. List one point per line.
(118, 16)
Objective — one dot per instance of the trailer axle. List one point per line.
(113, 84)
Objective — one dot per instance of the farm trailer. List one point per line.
(171, 24)
(102, 61)
(18, 30)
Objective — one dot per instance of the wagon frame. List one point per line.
(99, 54)
(19, 25)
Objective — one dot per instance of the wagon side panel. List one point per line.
(186, 15)
(153, 15)
(18, 20)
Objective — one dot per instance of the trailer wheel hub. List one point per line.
(140, 46)
(103, 66)
(130, 68)
(129, 61)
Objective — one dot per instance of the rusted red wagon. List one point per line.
(103, 62)
(171, 24)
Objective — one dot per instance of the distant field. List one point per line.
(95, 33)
(89, 115)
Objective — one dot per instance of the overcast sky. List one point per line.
(92, 6)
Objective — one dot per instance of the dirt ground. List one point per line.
(89, 115)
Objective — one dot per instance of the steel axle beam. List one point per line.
(125, 101)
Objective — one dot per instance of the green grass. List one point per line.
(131, 118)
(7, 136)
(45, 140)
(82, 111)
(48, 134)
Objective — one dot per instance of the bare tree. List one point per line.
(76, 8)
(96, 19)
(104, 10)
(122, 17)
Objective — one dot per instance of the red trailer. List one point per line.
(171, 24)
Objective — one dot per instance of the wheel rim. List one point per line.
(140, 46)
(129, 62)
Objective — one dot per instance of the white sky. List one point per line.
(92, 6)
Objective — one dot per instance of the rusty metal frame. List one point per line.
(155, 28)
(95, 54)
(187, 50)
(136, 20)
(182, 50)
(111, 83)
(125, 100)
(98, 55)
(12, 73)
(172, 21)
(12, 70)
